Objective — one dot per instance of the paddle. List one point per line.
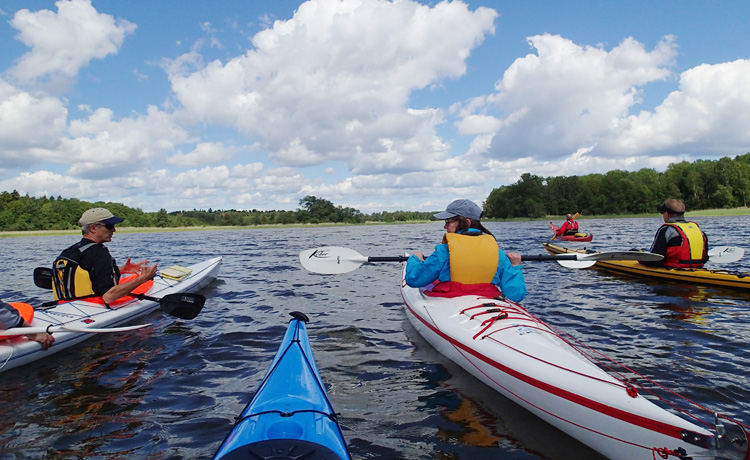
(182, 305)
(51, 329)
(575, 216)
(334, 260)
(725, 254)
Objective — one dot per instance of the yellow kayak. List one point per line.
(722, 278)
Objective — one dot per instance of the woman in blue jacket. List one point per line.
(468, 261)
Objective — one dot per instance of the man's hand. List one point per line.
(130, 267)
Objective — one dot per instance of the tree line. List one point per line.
(702, 184)
(24, 213)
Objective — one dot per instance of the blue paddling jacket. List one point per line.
(508, 278)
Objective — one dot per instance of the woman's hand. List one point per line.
(514, 257)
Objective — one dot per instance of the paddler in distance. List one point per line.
(18, 314)
(683, 244)
(468, 261)
(87, 269)
(569, 227)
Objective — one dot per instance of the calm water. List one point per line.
(172, 391)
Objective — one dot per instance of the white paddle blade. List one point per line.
(577, 263)
(725, 254)
(331, 260)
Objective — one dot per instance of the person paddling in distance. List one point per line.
(86, 269)
(468, 261)
(569, 227)
(683, 244)
(18, 314)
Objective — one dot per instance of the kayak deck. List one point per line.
(20, 350)
(290, 416)
(701, 276)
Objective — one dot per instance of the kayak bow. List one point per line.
(290, 417)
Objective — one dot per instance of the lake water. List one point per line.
(172, 391)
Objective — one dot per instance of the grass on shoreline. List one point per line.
(700, 213)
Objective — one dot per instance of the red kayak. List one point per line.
(584, 237)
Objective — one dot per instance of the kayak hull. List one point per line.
(80, 314)
(580, 237)
(693, 276)
(510, 350)
(290, 416)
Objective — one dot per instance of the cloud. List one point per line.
(62, 43)
(333, 82)
(709, 113)
(101, 146)
(204, 153)
(23, 113)
(565, 97)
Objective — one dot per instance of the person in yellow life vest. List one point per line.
(682, 243)
(468, 260)
(20, 315)
(87, 269)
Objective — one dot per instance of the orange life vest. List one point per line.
(26, 310)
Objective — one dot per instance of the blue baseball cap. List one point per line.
(463, 208)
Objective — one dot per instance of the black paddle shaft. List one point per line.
(551, 257)
(388, 259)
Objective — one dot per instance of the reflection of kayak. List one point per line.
(722, 278)
(290, 416)
(577, 237)
(522, 358)
(80, 314)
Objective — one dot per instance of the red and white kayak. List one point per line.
(507, 348)
(582, 237)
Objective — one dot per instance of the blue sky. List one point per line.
(376, 105)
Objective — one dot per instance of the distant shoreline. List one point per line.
(25, 233)
(22, 233)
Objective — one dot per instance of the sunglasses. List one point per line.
(451, 220)
(107, 226)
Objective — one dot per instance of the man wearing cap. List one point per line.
(87, 268)
(468, 261)
(682, 243)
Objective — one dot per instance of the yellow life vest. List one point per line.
(473, 259)
(70, 281)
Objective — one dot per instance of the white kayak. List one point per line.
(507, 348)
(68, 320)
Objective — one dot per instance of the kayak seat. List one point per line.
(282, 449)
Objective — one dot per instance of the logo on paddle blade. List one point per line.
(319, 254)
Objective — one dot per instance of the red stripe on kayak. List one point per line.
(643, 422)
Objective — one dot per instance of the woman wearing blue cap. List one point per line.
(468, 261)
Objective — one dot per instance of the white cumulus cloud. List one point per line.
(62, 43)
